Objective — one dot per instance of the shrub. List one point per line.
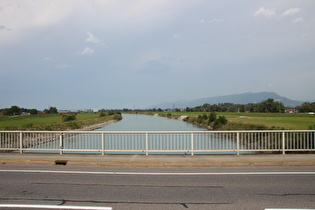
(103, 114)
(69, 118)
(219, 122)
(311, 127)
(212, 117)
(117, 117)
(73, 125)
(29, 125)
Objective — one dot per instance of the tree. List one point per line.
(241, 108)
(270, 105)
(14, 110)
(33, 111)
(6, 111)
(212, 117)
(230, 109)
(51, 110)
(307, 107)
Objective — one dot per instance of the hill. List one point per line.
(243, 98)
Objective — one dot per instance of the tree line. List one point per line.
(15, 110)
(307, 107)
(267, 106)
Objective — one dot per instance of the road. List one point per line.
(159, 188)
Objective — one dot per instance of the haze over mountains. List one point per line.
(243, 98)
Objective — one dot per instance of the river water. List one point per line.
(133, 122)
(115, 143)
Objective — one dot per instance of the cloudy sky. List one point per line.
(77, 54)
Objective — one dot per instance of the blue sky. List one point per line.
(78, 54)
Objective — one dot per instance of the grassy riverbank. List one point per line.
(53, 121)
(253, 121)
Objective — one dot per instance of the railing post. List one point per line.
(21, 142)
(238, 143)
(61, 143)
(192, 143)
(146, 144)
(103, 144)
(283, 143)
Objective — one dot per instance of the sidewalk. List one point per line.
(161, 160)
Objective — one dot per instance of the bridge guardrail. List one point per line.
(152, 142)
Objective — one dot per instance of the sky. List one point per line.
(113, 54)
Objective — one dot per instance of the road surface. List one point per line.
(159, 188)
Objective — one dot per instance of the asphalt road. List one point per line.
(159, 188)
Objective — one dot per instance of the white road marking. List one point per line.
(52, 207)
(289, 209)
(153, 173)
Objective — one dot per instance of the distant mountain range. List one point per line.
(244, 98)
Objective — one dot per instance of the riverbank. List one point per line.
(92, 124)
(96, 126)
(53, 122)
(246, 121)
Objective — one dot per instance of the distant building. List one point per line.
(96, 109)
(290, 111)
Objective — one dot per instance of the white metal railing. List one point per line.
(157, 142)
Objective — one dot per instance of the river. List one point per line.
(133, 122)
(115, 143)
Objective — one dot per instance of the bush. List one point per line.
(117, 117)
(218, 123)
(212, 117)
(311, 127)
(29, 125)
(69, 118)
(73, 125)
(103, 114)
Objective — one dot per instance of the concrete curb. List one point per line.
(161, 164)
(160, 160)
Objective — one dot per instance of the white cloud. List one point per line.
(47, 58)
(291, 11)
(216, 20)
(265, 12)
(87, 51)
(298, 20)
(64, 66)
(92, 38)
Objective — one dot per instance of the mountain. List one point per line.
(243, 98)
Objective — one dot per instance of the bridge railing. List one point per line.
(157, 142)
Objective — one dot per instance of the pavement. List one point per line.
(160, 160)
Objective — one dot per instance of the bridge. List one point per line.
(158, 142)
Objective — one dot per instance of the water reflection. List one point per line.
(135, 122)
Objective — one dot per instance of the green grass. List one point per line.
(277, 120)
(25, 121)
(270, 120)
